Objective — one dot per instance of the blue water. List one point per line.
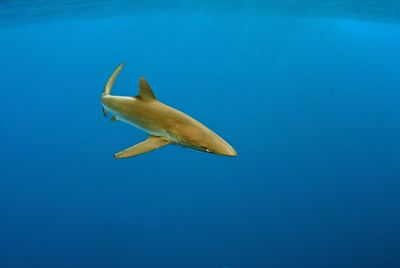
(311, 104)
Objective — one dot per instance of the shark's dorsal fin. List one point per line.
(152, 143)
(145, 92)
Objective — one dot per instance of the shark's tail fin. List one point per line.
(111, 80)
(110, 83)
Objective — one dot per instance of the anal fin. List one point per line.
(113, 118)
(152, 143)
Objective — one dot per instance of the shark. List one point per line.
(165, 125)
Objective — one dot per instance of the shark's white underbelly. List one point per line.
(161, 133)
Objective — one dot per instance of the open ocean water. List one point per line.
(307, 92)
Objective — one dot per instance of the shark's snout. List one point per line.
(211, 143)
(224, 149)
(230, 152)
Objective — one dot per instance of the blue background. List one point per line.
(312, 106)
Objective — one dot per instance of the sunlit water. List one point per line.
(17, 11)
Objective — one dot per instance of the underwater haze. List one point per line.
(308, 95)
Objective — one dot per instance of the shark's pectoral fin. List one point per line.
(152, 143)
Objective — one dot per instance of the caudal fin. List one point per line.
(110, 83)
(111, 80)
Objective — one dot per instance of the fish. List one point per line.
(164, 124)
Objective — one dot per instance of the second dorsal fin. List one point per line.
(145, 92)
